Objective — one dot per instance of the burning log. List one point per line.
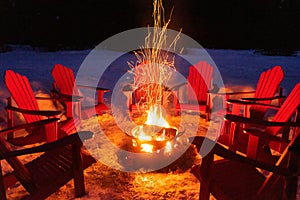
(154, 132)
(152, 137)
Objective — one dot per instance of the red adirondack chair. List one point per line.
(22, 94)
(256, 107)
(262, 139)
(66, 88)
(148, 90)
(58, 162)
(200, 80)
(267, 87)
(236, 177)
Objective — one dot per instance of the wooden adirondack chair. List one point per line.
(256, 107)
(145, 96)
(260, 140)
(147, 91)
(65, 87)
(234, 176)
(60, 162)
(200, 80)
(22, 94)
(267, 87)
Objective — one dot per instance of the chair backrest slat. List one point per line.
(64, 79)
(200, 79)
(287, 109)
(21, 91)
(267, 86)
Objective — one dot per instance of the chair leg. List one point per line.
(51, 132)
(252, 147)
(10, 118)
(78, 172)
(208, 116)
(204, 192)
(69, 109)
(2, 188)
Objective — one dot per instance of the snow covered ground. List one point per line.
(239, 69)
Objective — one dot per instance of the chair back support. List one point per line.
(64, 80)
(267, 86)
(287, 109)
(200, 79)
(22, 93)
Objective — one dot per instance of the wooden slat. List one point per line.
(267, 86)
(200, 78)
(21, 91)
(64, 79)
(287, 109)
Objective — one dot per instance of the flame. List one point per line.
(154, 130)
(168, 147)
(155, 116)
(148, 148)
(152, 72)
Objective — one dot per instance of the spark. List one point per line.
(154, 66)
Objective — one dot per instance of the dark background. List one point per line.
(80, 24)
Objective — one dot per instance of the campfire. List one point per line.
(152, 71)
(155, 133)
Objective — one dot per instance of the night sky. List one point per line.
(79, 24)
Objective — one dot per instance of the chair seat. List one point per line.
(223, 185)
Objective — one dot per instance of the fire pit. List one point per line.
(155, 134)
(150, 138)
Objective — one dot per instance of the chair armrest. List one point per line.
(263, 99)
(245, 120)
(75, 138)
(100, 92)
(94, 88)
(47, 113)
(67, 97)
(227, 154)
(232, 93)
(265, 136)
(250, 103)
(47, 98)
(32, 124)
